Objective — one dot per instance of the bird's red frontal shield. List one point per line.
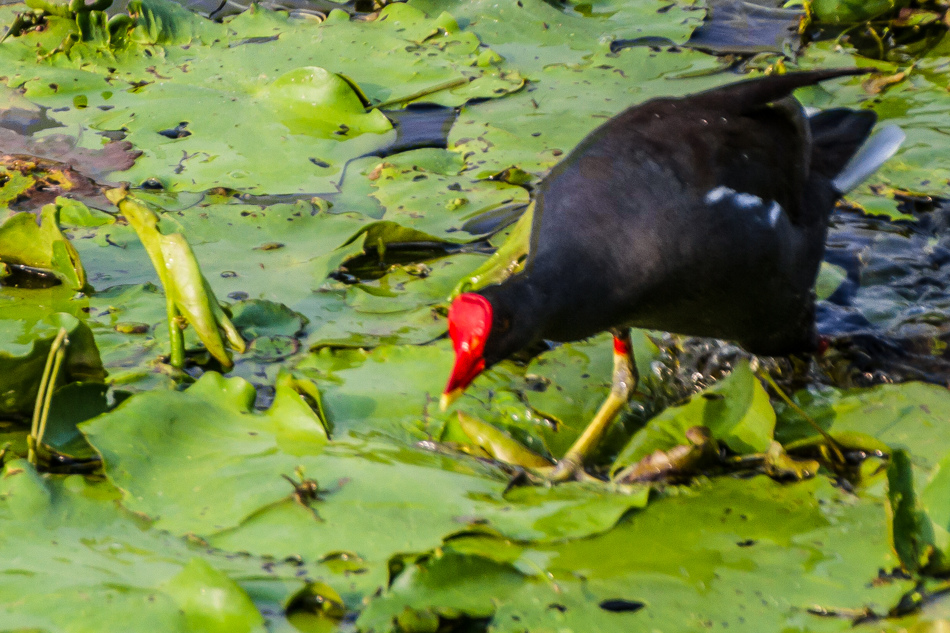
(470, 319)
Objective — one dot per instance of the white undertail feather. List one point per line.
(872, 155)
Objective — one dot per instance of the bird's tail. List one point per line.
(836, 136)
(869, 158)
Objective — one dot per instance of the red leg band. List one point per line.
(622, 346)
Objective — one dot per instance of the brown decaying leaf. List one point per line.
(96, 164)
(878, 83)
(50, 180)
(677, 464)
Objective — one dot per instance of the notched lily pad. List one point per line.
(259, 317)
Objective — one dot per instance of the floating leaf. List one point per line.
(91, 550)
(312, 100)
(851, 11)
(709, 547)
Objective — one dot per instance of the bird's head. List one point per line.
(470, 323)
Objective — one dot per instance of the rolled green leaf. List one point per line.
(188, 291)
(500, 445)
(506, 261)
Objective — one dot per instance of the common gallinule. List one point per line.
(704, 215)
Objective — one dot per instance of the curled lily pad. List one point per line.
(23, 243)
(736, 409)
(780, 465)
(676, 464)
(312, 100)
(919, 509)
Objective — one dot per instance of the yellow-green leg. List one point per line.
(625, 379)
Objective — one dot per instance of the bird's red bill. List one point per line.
(470, 320)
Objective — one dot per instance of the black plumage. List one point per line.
(704, 215)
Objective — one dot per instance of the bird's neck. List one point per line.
(520, 309)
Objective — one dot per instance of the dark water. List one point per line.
(891, 317)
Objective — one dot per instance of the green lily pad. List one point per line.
(312, 100)
(44, 246)
(204, 464)
(211, 601)
(259, 318)
(725, 548)
(911, 416)
(264, 101)
(66, 546)
(419, 190)
(851, 11)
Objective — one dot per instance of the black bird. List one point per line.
(704, 215)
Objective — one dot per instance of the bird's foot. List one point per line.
(566, 469)
(569, 468)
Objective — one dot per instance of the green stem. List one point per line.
(447, 85)
(45, 393)
(47, 401)
(832, 443)
(176, 337)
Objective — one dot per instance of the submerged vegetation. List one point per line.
(232, 361)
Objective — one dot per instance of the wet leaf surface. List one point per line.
(67, 544)
(338, 169)
(719, 553)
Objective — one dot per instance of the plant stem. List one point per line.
(44, 394)
(446, 85)
(176, 339)
(57, 363)
(832, 443)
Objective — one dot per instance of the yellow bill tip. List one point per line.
(448, 398)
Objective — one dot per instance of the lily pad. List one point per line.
(912, 416)
(66, 545)
(43, 246)
(298, 105)
(204, 464)
(644, 572)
